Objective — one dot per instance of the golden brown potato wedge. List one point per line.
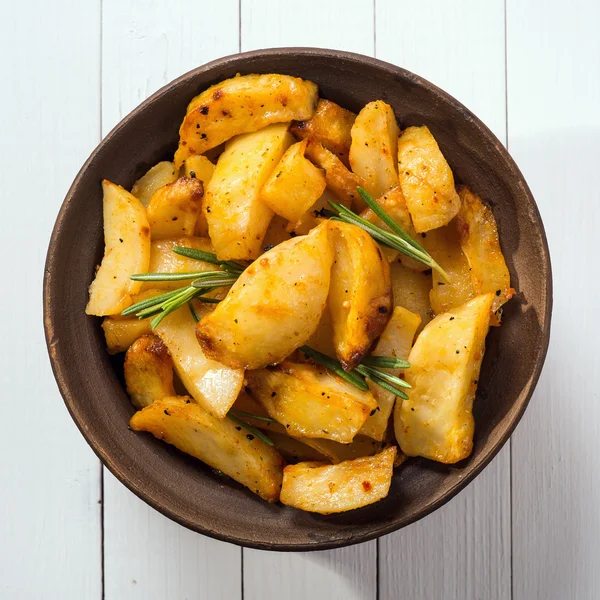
(310, 401)
(436, 421)
(478, 234)
(243, 104)
(314, 215)
(276, 233)
(327, 449)
(374, 149)
(148, 371)
(120, 332)
(411, 290)
(159, 175)
(275, 305)
(426, 179)
(326, 489)
(164, 260)
(174, 208)
(396, 340)
(339, 179)
(322, 338)
(198, 167)
(360, 295)
(295, 184)
(444, 246)
(126, 251)
(217, 442)
(212, 384)
(331, 126)
(237, 219)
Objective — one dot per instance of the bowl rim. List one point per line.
(78, 416)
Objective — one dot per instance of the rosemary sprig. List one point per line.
(358, 375)
(160, 306)
(243, 413)
(170, 276)
(333, 365)
(385, 362)
(227, 265)
(397, 239)
(253, 430)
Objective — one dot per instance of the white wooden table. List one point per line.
(528, 527)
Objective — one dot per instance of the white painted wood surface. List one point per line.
(531, 70)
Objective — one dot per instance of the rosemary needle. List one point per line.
(243, 413)
(259, 434)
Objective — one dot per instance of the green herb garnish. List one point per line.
(259, 434)
(366, 370)
(397, 239)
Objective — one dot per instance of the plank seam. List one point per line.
(510, 441)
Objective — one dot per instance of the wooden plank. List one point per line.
(463, 550)
(50, 530)
(350, 572)
(553, 121)
(144, 47)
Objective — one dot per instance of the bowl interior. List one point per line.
(183, 488)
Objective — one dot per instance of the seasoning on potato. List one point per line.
(303, 284)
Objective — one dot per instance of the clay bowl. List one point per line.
(184, 489)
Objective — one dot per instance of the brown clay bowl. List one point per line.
(184, 489)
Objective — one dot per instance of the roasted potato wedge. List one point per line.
(275, 305)
(295, 184)
(217, 442)
(411, 290)
(198, 167)
(243, 104)
(237, 219)
(426, 180)
(339, 179)
(277, 232)
(374, 149)
(212, 384)
(314, 215)
(478, 235)
(396, 340)
(148, 371)
(310, 401)
(164, 260)
(158, 176)
(126, 251)
(174, 208)
(360, 295)
(437, 421)
(326, 489)
(120, 332)
(444, 246)
(322, 338)
(331, 126)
